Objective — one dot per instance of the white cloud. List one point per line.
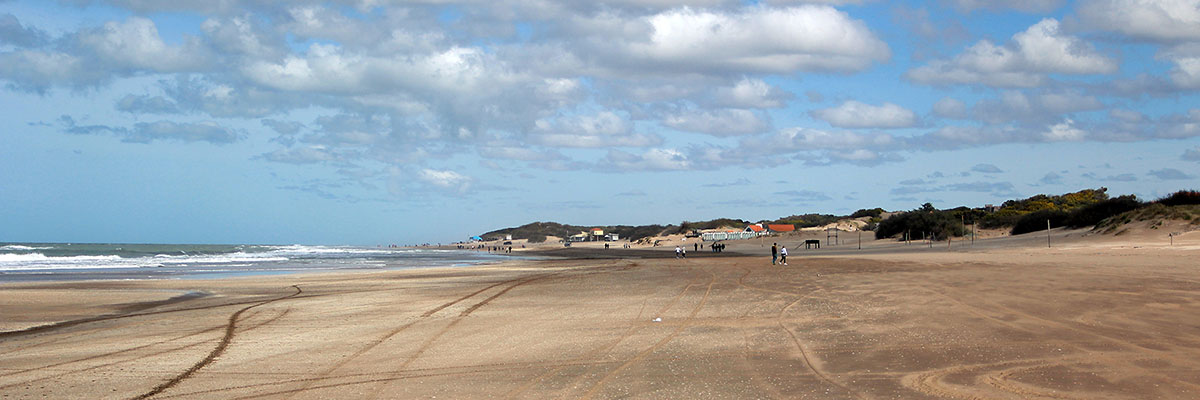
(805, 139)
(1192, 154)
(854, 114)
(1170, 174)
(507, 152)
(987, 169)
(751, 93)
(241, 36)
(136, 44)
(753, 39)
(651, 160)
(145, 132)
(723, 122)
(603, 129)
(1186, 57)
(301, 155)
(12, 32)
(1154, 20)
(950, 108)
(1024, 62)
(1065, 132)
(446, 180)
(39, 70)
(1051, 178)
(1035, 107)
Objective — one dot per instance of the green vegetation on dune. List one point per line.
(1011, 211)
(808, 220)
(1153, 211)
(922, 223)
(1088, 207)
(686, 226)
(538, 231)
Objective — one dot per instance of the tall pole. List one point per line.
(1047, 234)
(860, 239)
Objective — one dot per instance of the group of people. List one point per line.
(778, 254)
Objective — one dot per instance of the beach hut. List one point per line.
(756, 229)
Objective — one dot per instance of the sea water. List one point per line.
(74, 261)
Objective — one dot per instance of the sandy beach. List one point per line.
(1091, 318)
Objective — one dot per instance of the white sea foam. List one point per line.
(41, 261)
(17, 247)
(252, 257)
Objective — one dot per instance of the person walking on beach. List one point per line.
(678, 251)
(783, 255)
(774, 253)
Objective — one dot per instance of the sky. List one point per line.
(377, 122)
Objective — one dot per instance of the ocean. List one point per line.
(75, 261)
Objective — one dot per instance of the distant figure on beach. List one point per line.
(678, 251)
(783, 255)
(774, 253)
(683, 252)
(697, 245)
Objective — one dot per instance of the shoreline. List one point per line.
(1091, 318)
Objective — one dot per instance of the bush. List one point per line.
(685, 226)
(1012, 211)
(920, 224)
(1092, 214)
(874, 212)
(1182, 197)
(1036, 221)
(807, 220)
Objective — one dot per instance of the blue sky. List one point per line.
(375, 121)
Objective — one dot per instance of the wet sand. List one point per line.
(1083, 322)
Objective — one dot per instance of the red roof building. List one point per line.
(755, 228)
(781, 227)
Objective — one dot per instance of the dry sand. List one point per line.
(1092, 318)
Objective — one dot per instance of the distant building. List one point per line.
(756, 228)
(781, 227)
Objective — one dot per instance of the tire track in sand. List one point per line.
(425, 346)
(328, 372)
(591, 356)
(1111, 359)
(230, 329)
(675, 272)
(820, 374)
(134, 359)
(397, 374)
(642, 354)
